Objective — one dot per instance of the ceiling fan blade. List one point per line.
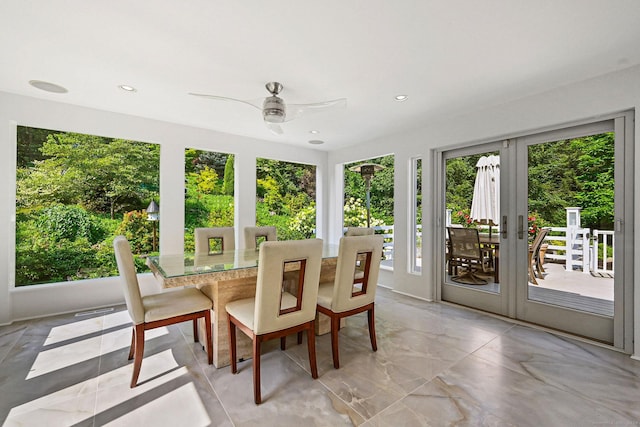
(274, 128)
(296, 110)
(255, 104)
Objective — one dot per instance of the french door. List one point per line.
(570, 187)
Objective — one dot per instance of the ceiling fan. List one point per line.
(275, 110)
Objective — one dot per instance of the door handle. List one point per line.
(503, 229)
(520, 227)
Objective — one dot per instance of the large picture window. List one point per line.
(209, 192)
(380, 196)
(286, 198)
(74, 193)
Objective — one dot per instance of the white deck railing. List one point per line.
(580, 250)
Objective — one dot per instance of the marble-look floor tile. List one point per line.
(583, 369)
(478, 393)
(290, 396)
(436, 365)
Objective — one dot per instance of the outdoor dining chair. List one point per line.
(466, 253)
(352, 293)
(273, 312)
(157, 310)
(535, 261)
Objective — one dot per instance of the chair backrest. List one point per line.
(357, 272)
(211, 241)
(359, 231)
(253, 234)
(537, 242)
(275, 309)
(464, 243)
(129, 279)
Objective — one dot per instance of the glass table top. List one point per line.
(189, 264)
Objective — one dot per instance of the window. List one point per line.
(378, 211)
(74, 193)
(415, 219)
(286, 198)
(209, 192)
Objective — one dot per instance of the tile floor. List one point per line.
(436, 365)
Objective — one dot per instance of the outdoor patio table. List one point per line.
(225, 277)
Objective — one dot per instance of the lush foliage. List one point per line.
(208, 198)
(71, 188)
(381, 191)
(286, 194)
(575, 172)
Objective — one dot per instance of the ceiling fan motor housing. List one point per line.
(273, 110)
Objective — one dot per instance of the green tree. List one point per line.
(207, 180)
(228, 183)
(595, 174)
(100, 174)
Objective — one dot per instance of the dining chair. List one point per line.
(274, 313)
(466, 252)
(534, 256)
(157, 310)
(214, 240)
(351, 292)
(253, 234)
(359, 231)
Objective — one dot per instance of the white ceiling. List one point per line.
(449, 56)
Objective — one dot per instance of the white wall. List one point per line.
(43, 300)
(580, 101)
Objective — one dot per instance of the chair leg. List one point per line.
(283, 343)
(195, 330)
(532, 276)
(335, 327)
(372, 328)
(311, 345)
(256, 370)
(232, 346)
(139, 351)
(207, 320)
(300, 335)
(133, 343)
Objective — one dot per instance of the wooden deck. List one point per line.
(571, 289)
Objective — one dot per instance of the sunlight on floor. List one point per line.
(156, 411)
(158, 370)
(79, 350)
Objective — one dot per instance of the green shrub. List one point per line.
(139, 231)
(69, 222)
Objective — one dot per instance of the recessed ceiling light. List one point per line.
(46, 86)
(127, 88)
(401, 98)
(315, 132)
(316, 142)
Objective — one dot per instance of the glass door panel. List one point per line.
(471, 249)
(568, 274)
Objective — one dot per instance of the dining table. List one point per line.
(227, 276)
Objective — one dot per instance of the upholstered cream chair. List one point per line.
(352, 292)
(252, 234)
(274, 313)
(154, 311)
(359, 231)
(204, 236)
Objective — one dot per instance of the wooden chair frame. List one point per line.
(136, 351)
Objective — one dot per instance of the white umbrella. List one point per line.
(485, 206)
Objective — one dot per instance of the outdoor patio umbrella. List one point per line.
(485, 206)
